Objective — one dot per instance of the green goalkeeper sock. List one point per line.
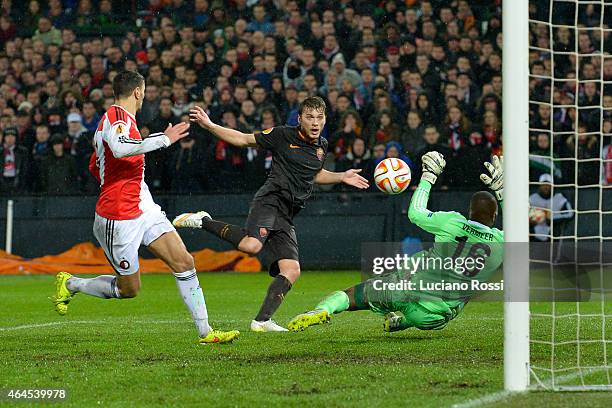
(335, 303)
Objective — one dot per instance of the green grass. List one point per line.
(141, 352)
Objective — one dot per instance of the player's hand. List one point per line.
(199, 116)
(433, 166)
(352, 178)
(177, 131)
(495, 181)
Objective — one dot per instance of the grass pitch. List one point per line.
(142, 352)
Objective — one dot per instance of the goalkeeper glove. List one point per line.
(496, 180)
(433, 165)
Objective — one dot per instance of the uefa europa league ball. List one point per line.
(537, 215)
(392, 176)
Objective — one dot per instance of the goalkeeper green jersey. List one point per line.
(464, 256)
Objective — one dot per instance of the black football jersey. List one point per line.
(295, 163)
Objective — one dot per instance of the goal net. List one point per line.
(570, 194)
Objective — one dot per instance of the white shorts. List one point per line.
(120, 239)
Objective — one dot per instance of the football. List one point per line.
(537, 215)
(392, 176)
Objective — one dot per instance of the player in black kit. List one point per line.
(297, 164)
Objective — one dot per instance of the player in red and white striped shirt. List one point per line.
(126, 215)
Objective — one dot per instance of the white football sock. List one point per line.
(189, 287)
(103, 286)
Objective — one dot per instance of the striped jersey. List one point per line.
(118, 163)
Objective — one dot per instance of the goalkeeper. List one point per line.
(455, 236)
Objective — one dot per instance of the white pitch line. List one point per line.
(502, 395)
(59, 323)
(107, 320)
(487, 399)
(38, 325)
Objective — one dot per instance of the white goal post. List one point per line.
(557, 102)
(515, 75)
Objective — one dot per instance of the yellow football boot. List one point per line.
(218, 336)
(62, 295)
(305, 320)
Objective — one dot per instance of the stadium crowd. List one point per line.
(400, 78)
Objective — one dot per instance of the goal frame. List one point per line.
(515, 115)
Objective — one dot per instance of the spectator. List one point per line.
(432, 143)
(426, 110)
(606, 154)
(349, 129)
(8, 31)
(47, 33)
(58, 170)
(187, 167)
(338, 65)
(91, 118)
(14, 163)
(395, 150)
(260, 20)
(542, 159)
(491, 130)
(75, 131)
(412, 135)
(357, 157)
(557, 208)
(386, 129)
(30, 20)
(41, 149)
(457, 129)
(588, 148)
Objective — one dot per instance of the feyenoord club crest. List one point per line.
(320, 153)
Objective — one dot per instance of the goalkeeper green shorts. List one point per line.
(424, 315)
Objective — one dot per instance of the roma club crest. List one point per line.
(320, 153)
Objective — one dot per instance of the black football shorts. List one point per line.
(269, 222)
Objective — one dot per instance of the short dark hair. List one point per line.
(312, 102)
(125, 82)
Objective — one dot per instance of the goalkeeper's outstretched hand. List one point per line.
(433, 166)
(495, 181)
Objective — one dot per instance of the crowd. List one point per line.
(400, 78)
(571, 93)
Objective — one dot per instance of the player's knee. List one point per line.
(291, 272)
(184, 263)
(250, 245)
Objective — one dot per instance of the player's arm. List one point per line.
(122, 145)
(565, 213)
(495, 179)
(350, 177)
(433, 222)
(231, 136)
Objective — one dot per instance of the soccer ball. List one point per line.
(537, 215)
(392, 176)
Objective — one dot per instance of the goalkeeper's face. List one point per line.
(312, 122)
